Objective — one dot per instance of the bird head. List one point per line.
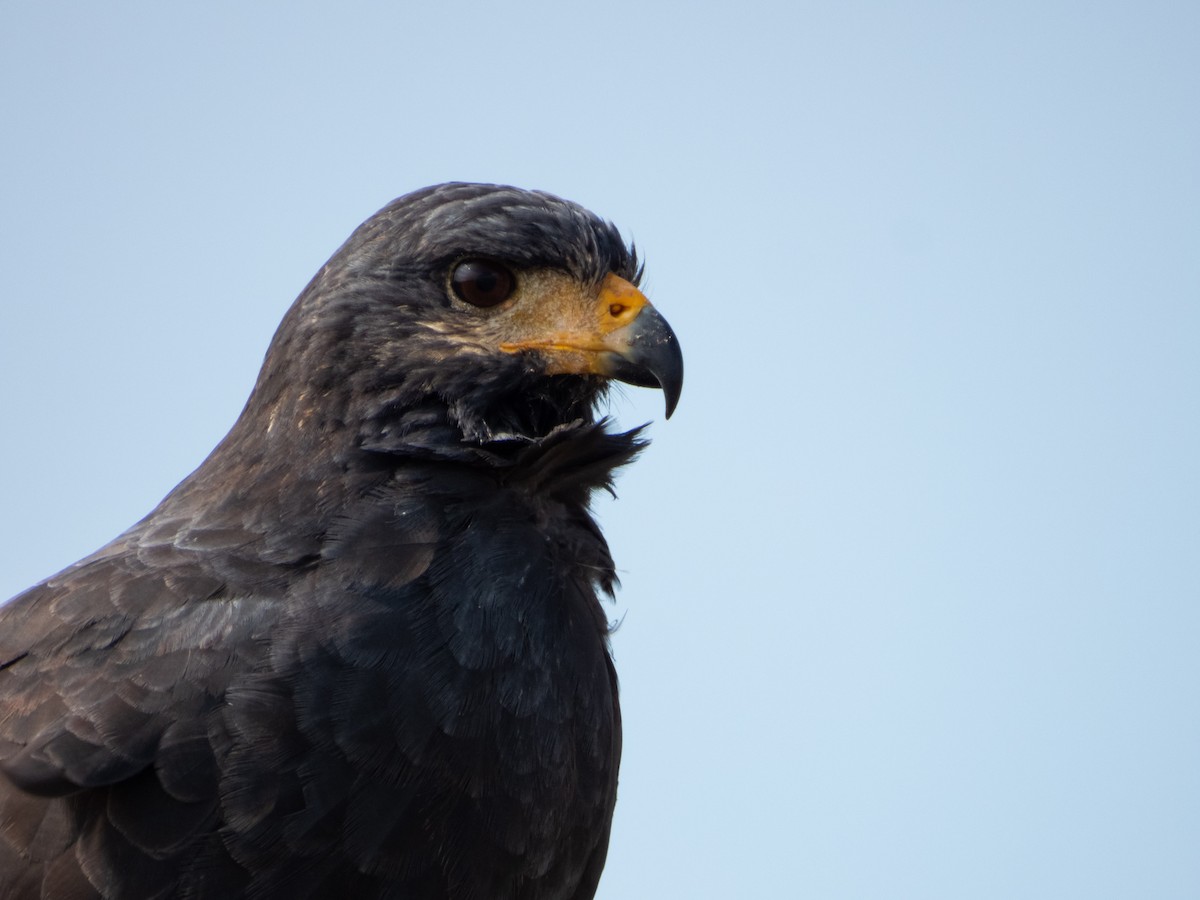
(497, 311)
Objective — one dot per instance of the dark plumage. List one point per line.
(359, 652)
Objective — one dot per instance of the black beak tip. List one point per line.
(670, 376)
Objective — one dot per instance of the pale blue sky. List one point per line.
(912, 578)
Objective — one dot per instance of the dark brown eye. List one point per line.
(482, 282)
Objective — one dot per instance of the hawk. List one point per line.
(360, 651)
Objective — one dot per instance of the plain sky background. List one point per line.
(912, 578)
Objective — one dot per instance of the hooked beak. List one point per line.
(644, 352)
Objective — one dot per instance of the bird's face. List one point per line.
(560, 325)
(513, 309)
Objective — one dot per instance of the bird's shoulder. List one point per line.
(98, 663)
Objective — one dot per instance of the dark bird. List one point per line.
(360, 652)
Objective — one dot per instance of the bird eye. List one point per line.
(482, 282)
